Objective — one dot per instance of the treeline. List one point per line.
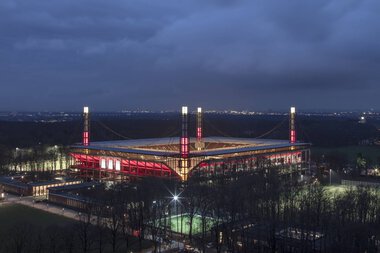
(265, 213)
(74, 237)
(38, 158)
(259, 212)
(321, 131)
(116, 219)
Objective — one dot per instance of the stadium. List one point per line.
(182, 157)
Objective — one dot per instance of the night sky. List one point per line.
(161, 54)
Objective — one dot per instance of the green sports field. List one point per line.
(335, 190)
(181, 224)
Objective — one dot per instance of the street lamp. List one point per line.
(175, 198)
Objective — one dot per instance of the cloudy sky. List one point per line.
(160, 54)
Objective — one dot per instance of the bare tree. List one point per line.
(68, 238)
(100, 227)
(19, 238)
(83, 228)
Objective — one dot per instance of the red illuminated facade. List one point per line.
(161, 158)
(96, 167)
(139, 158)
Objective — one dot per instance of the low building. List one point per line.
(69, 196)
(256, 236)
(19, 186)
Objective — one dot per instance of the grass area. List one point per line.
(371, 152)
(11, 214)
(181, 224)
(14, 214)
(335, 190)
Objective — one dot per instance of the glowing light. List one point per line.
(292, 110)
(103, 163)
(199, 109)
(175, 196)
(184, 147)
(199, 133)
(110, 164)
(85, 139)
(292, 136)
(184, 163)
(85, 109)
(184, 109)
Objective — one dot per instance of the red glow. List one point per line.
(292, 136)
(85, 139)
(199, 133)
(136, 233)
(127, 167)
(184, 147)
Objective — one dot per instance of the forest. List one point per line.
(249, 214)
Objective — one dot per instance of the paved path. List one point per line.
(44, 206)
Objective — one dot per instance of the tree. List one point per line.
(68, 238)
(19, 238)
(84, 228)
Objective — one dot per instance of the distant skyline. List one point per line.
(193, 110)
(218, 54)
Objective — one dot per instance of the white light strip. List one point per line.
(292, 110)
(85, 109)
(199, 109)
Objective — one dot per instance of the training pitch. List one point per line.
(181, 224)
(335, 190)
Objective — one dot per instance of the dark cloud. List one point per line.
(112, 55)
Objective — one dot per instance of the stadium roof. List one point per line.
(170, 146)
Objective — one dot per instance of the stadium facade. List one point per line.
(184, 156)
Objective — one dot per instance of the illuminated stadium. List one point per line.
(184, 156)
